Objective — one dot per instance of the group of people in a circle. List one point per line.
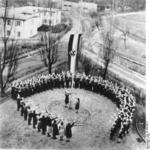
(118, 93)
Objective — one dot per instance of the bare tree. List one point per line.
(125, 32)
(108, 43)
(8, 54)
(108, 49)
(49, 52)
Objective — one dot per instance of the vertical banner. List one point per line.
(70, 49)
(74, 52)
(78, 50)
(73, 47)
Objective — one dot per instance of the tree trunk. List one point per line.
(1, 79)
(106, 68)
(2, 89)
(50, 68)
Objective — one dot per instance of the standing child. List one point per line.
(61, 130)
(66, 98)
(18, 102)
(68, 131)
(77, 105)
(55, 129)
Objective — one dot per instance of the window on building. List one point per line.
(18, 34)
(18, 23)
(8, 22)
(8, 32)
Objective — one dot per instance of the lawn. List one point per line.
(140, 17)
(135, 23)
(95, 113)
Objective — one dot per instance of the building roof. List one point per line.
(34, 9)
(13, 13)
(24, 13)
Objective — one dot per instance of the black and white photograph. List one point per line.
(73, 75)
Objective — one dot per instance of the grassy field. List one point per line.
(135, 23)
(93, 135)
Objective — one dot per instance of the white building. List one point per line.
(22, 22)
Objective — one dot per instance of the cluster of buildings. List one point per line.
(23, 22)
(83, 6)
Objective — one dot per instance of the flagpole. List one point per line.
(72, 66)
(72, 81)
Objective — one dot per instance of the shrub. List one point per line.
(59, 28)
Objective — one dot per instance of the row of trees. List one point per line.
(135, 5)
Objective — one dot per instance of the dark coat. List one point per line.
(55, 129)
(68, 131)
(18, 103)
(34, 116)
(25, 113)
(43, 123)
(66, 98)
(77, 105)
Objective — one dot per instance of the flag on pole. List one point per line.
(70, 49)
(78, 49)
(73, 49)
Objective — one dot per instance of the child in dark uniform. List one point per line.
(77, 105)
(68, 131)
(66, 98)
